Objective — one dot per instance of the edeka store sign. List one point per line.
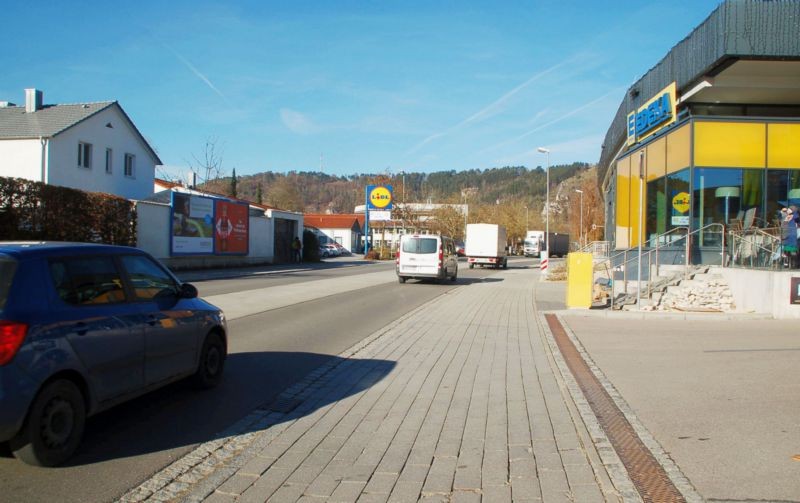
(652, 116)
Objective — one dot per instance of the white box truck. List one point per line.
(534, 243)
(486, 245)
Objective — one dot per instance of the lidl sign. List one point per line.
(379, 197)
(658, 112)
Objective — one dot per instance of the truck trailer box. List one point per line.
(486, 245)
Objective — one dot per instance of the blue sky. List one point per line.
(370, 86)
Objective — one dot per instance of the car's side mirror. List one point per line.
(188, 291)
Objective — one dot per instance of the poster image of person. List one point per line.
(231, 228)
(224, 228)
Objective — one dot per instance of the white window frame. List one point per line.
(130, 165)
(84, 155)
(109, 161)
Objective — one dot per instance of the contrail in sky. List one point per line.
(197, 73)
(559, 119)
(492, 108)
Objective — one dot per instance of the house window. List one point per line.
(129, 165)
(109, 157)
(84, 155)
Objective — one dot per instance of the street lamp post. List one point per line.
(546, 151)
(580, 229)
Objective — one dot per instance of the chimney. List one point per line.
(33, 100)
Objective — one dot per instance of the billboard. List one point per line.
(208, 226)
(231, 228)
(192, 225)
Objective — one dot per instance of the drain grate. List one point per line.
(647, 475)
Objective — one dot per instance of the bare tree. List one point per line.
(208, 167)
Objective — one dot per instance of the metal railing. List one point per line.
(597, 248)
(709, 237)
(755, 248)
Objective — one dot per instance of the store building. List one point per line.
(709, 138)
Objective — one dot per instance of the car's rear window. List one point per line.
(8, 267)
(421, 245)
(87, 280)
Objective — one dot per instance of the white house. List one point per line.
(343, 229)
(89, 146)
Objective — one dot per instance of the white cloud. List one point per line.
(297, 122)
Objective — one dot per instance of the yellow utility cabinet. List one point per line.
(580, 272)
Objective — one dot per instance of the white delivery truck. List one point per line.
(534, 243)
(486, 245)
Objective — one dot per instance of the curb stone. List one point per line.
(677, 477)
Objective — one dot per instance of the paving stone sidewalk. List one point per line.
(460, 400)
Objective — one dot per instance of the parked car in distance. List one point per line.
(460, 249)
(324, 252)
(84, 327)
(332, 250)
(342, 250)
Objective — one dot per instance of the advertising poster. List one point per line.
(231, 228)
(680, 208)
(192, 225)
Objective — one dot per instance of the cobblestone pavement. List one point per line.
(460, 400)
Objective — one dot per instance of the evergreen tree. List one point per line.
(233, 183)
(259, 195)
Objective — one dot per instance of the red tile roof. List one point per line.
(340, 221)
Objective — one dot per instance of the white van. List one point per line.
(426, 256)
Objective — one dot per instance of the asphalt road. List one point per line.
(268, 352)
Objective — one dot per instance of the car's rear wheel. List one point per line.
(401, 279)
(454, 276)
(212, 362)
(54, 426)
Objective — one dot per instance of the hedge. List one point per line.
(40, 212)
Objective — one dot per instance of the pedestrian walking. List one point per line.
(297, 248)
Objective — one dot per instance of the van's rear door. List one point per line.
(420, 255)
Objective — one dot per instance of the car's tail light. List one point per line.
(441, 257)
(11, 336)
(397, 257)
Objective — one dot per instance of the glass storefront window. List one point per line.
(655, 213)
(724, 194)
(678, 199)
(783, 189)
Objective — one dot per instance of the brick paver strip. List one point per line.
(650, 479)
(456, 401)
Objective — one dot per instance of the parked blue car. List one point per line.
(84, 327)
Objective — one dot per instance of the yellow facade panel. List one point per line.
(730, 144)
(679, 149)
(623, 202)
(635, 181)
(784, 146)
(656, 158)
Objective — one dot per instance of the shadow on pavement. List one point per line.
(179, 416)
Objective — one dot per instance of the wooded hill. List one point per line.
(507, 195)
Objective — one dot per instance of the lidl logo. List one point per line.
(379, 197)
(681, 202)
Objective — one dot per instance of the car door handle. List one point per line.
(81, 328)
